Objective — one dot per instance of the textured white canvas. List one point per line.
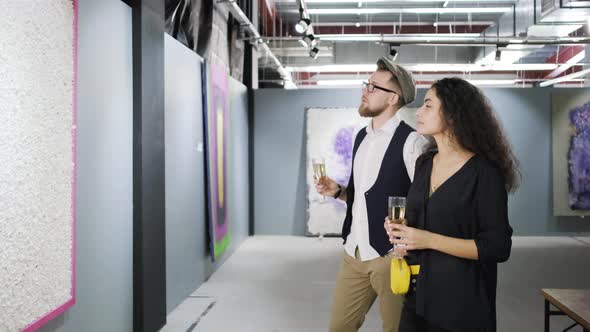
(36, 160)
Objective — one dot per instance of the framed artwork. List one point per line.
(571, 153)
(38, 158)
(216, 116)
(330, 135)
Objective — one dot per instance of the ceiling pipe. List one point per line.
(257, 41)
(449, 39)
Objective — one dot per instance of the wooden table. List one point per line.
(574, 303)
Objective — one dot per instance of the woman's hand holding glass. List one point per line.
(408, 238)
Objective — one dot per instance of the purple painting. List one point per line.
(342, 146)
(330, 135)
(216, 113)
(579, 158)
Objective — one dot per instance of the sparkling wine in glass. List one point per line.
(319, 171)
(396, 210)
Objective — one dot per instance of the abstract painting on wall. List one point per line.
(579, 158)
(216, 116)
(571, 153)
(330, 135)
(37, 161)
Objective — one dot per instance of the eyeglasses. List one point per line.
(371, 88)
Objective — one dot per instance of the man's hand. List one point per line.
(326, 186)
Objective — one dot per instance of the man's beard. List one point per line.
(366, 112)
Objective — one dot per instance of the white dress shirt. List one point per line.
(366, 165)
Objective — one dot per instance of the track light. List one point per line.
(302, 25)
(308, 40)
(314, 52)
(498, 56)
(304, 21)
(393, 52)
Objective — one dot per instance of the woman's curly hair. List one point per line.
(472, 124)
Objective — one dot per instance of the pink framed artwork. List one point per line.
(38, 116)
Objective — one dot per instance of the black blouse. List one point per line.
(454, 293)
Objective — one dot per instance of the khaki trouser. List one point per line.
(357, 286)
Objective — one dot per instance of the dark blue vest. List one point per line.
(393, 180)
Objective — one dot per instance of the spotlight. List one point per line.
(314, 52)
(302, 25)
(393, 51)
(308, 40)
(498, 55)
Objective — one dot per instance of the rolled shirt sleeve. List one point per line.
(494, 234)
(414, 147)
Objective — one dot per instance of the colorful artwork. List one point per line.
(579, 158)
(38, 162)
(330, 135)
(571, 152)
(216, 112)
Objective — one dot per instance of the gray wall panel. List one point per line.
(104, 298)
(185, 194)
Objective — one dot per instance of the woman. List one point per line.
(456, 209)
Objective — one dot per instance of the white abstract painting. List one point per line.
(330, 135)
(37, 161)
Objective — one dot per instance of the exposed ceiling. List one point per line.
(491, 42)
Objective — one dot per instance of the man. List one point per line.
(384, 156)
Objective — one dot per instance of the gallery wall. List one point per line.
(188, 255)
(104, 262)
(185, 195)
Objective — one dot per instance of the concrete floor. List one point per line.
(285, 284)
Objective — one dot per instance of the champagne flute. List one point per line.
(396, 210)
(319, 171)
